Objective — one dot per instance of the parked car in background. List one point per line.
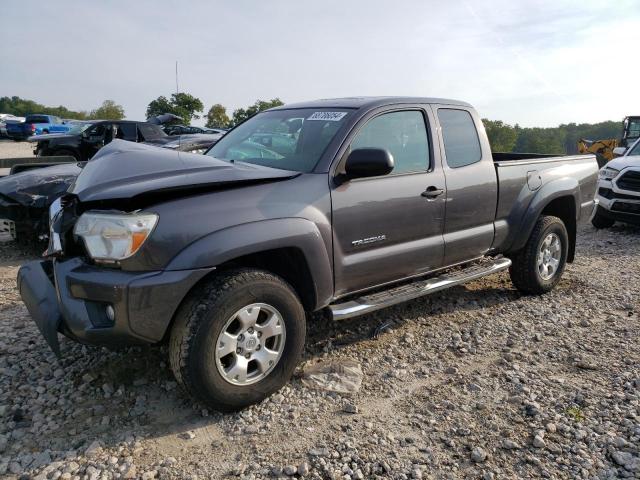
(182, 130)
(25, 197)
(196, 143)
(354, 205)
(8, 118)
(618, 196)
(36, 125)
(84, 140)
(187, 129)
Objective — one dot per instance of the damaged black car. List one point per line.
(25, 197)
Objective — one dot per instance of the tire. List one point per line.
(205, 315)
(525, 270)
(600, 221)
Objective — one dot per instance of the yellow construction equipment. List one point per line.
(602, 149)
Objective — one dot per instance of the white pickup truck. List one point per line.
(618, 194)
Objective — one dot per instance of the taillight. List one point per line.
(32, 127)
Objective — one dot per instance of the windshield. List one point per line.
(285, 139)
(636, 149)
(78, 128)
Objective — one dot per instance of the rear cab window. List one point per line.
(36, 119)
(461, 141)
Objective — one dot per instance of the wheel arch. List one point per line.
(560, 198)
(291, 248)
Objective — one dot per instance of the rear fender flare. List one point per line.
(561, 187)
(249, 238)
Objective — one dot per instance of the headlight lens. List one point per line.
(112, 237)
(608, 173)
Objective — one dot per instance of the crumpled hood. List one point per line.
(40, 186)
(123, 170)
(624, 162)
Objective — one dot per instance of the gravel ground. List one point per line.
(12, 149)
(473, 382)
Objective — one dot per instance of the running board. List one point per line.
(386, 298)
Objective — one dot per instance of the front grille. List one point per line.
(610, 194)
(626, 207)
(629, 181)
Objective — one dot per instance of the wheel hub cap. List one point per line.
(250, 344)
(549, 256)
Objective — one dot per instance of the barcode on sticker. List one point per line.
(327, 116)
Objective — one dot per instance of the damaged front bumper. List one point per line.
(101, 306)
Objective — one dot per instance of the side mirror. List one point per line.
(619, 152)
(368, 162)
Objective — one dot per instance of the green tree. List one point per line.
(217, 117)
(502, 136)
(241, 114)
(22, 107)
(109, 110)
(185, 105)
(540, 140)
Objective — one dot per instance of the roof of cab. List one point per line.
(370, 102)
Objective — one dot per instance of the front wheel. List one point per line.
(537, 268)
(237, 339)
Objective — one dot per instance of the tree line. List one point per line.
(20, 107)
(556, 140)
(502, 136)
(189, 108)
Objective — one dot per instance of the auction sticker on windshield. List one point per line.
(327, 116)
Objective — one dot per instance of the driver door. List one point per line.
(93, 140)
(387, 228)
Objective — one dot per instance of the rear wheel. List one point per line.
(537, 268)
(600, 221)
(237, 339)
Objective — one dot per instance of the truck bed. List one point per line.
(525, 179)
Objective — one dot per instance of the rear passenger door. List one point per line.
(127, 131)
(471, 185)
(385, 228)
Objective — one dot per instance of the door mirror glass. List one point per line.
(368, 162)
(618, 151)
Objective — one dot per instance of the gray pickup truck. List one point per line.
(346, 206)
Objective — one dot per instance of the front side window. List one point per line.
(404, 134)
(461, 143)
(97, 131)
(285, 139)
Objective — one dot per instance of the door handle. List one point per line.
(432, 192)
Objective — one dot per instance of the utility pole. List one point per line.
(177, 89)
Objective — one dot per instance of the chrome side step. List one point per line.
(386, 298)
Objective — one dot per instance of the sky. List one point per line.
(530, 62)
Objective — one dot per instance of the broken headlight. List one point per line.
(110, 237)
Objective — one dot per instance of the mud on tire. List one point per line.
(203, 317)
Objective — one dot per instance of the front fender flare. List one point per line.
(255, 237)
